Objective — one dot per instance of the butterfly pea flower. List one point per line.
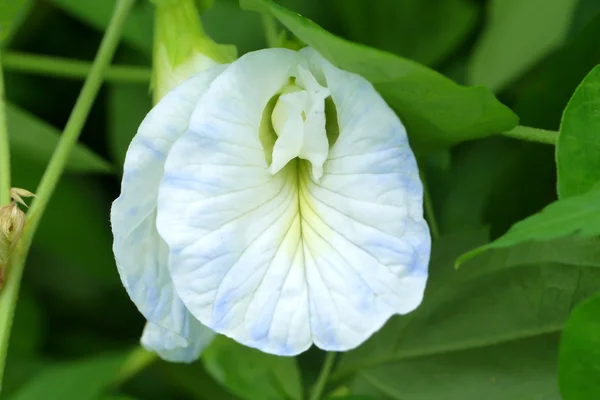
(274, 200)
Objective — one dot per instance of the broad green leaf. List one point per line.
(12, 14)
(127, 107)
(35, 140)
(518, 34)
(97, 13)
(251, 374)
(487, 330)
(575, 215)
(81, 380)
(579, 362)
(578, 147)
(436, 110)
(523, 369)
(425, 31)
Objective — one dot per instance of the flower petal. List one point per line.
(141, 254)
(233, 227)
(280, 261)
(172, 347)
(366, 243)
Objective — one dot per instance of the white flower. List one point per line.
(274, 200)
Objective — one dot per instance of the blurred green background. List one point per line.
(74, 320)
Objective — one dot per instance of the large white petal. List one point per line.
(172, 347)
(279, 261)
(232, 226)
(141, 254)
(366, 243)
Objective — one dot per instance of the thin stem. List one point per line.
(8, 297)
(270, 27)
(319, 388)
(428, 202)
(533, 135)
(137, 361)
(4, 149)
(74, 69)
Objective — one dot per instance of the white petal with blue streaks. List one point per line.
(172, 347)
(141, 254)
(281, 261)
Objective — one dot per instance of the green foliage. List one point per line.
(82, 380)
(421, 30)
(579, 371)
(437, 111)
(486, 330)
(251, 374)
(510, 323)
(12, 14)
(35, 140)
(578, 147)
(518, 34)
(576, 215)
(127, 106)
(96, 13)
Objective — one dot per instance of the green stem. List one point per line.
(137, 360)
(8, 297)
(270, 27)
(533, 135)
(319, 388)
(4, 149)
(427, 200)
(75, 69)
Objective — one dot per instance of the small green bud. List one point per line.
(181, 48)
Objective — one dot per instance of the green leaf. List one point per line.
(518, 34)
(127, 107)
(578, 147)
(487, 330)
(81, 380)
(251, 374)
(579, 362)
(12, 14)
(97, 13)
(575, 215)
(436, 110)
(35, 140)
(422, 30)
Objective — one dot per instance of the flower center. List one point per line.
(298, 119)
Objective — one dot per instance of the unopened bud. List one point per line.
(12, 222)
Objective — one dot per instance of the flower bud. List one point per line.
(12, 222)
(181, 48)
